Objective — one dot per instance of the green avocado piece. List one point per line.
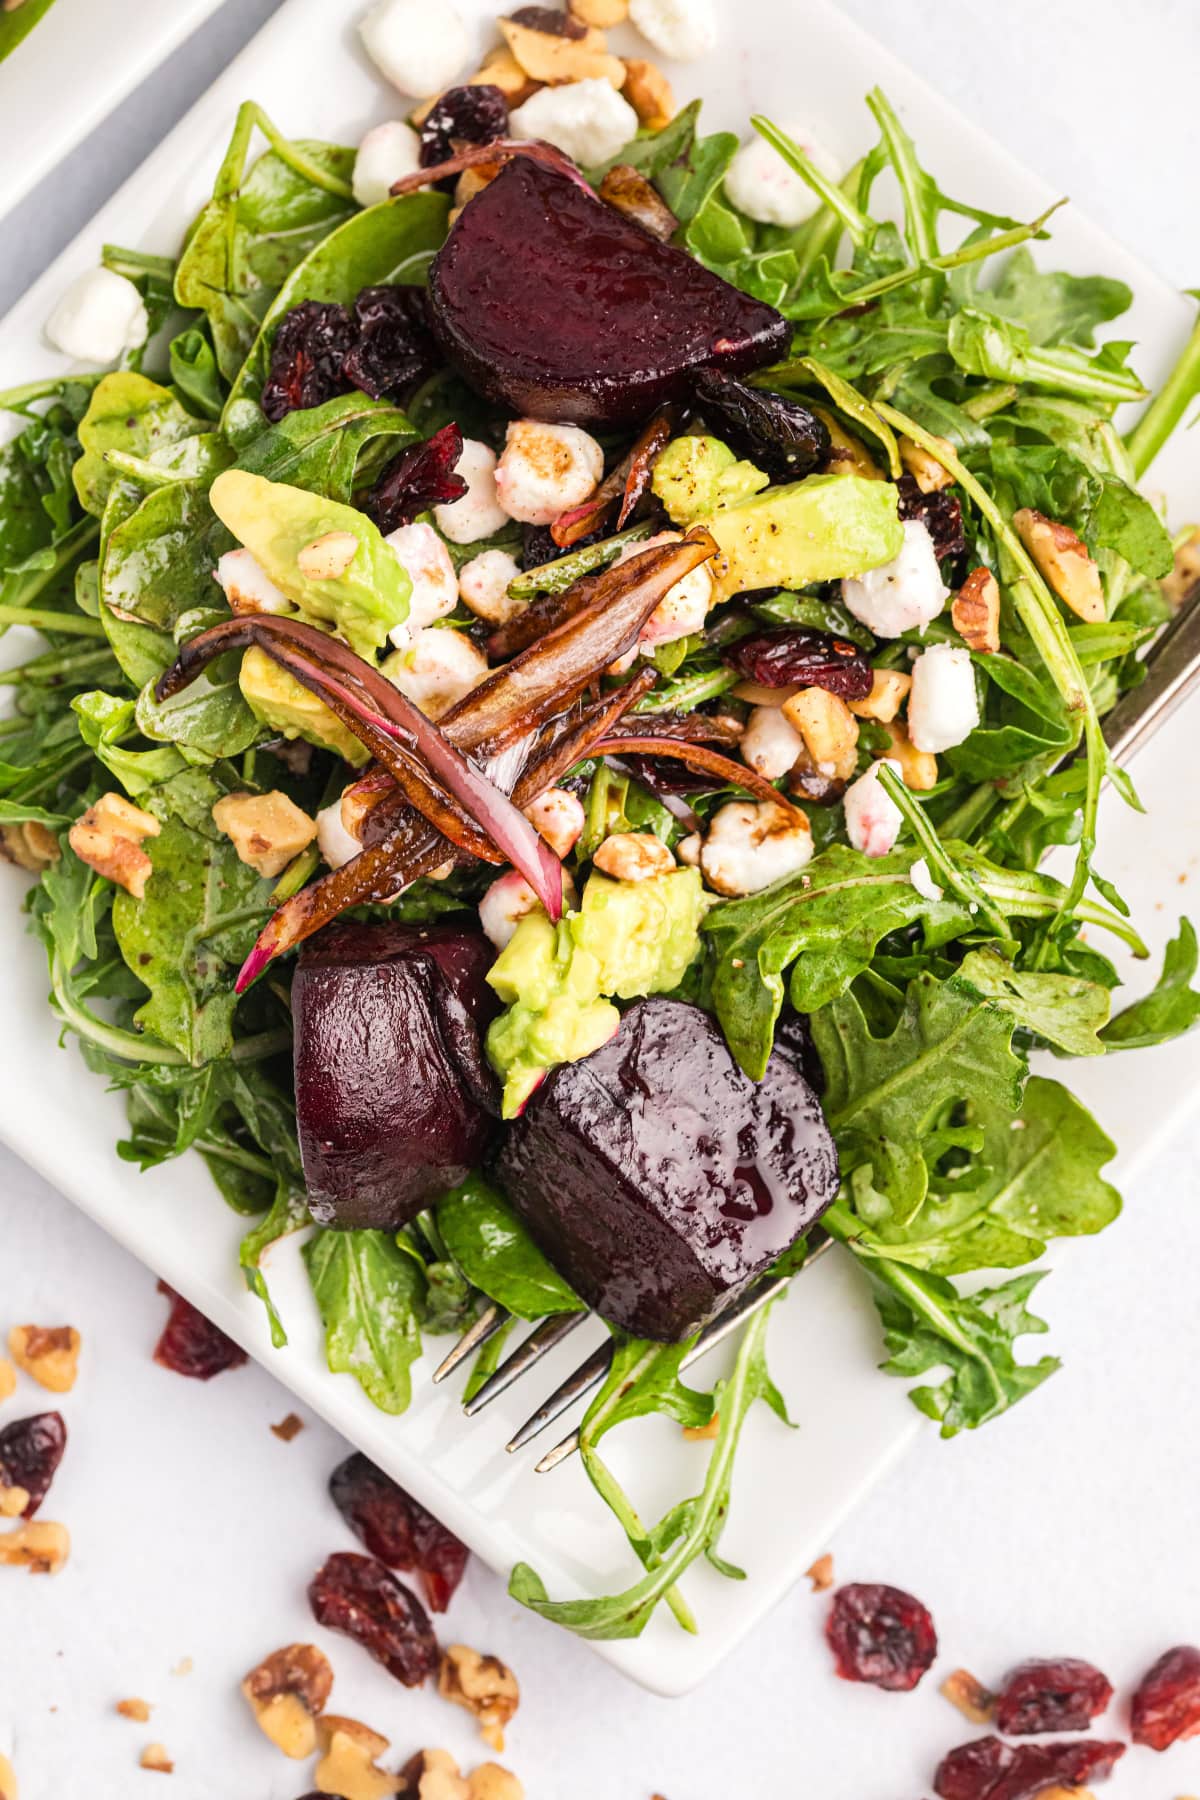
(627, 939)
(696, 476)
(365, 601)
(289, 708)
(818, 529)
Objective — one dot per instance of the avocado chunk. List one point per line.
(695, 476)
(288, 707)
(819, 529)
(627, 939)
(364, 599)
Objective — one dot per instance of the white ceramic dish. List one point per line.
(77, 64)
(791, 1488)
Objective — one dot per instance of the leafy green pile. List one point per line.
(924, 1001)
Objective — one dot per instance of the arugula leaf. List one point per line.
(1172, 1006)
(369, 1293)
(1054, 307)
(1068, 1011)
(1107, 513)
(289, 1212)
(495, 1252)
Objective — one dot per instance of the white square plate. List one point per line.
(77, 64)
(791, 1488)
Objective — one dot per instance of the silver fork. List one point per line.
(1173, 670)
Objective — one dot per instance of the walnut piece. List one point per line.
(433, 1775)
(828, 727)
(38, 1545)
(108, 838)
(501, 69)
(1184, 578)
(601, 13)
(1063, 560)
(889, 690)
(8, 1780)
(8, 1378)
(918, 768)
(695, 1434)
(975, 612)
(634, 856)
(286, 1692)
(545, 56)
(627, 190)
(969, 1695)
(490, 1782)
(134, 1709)
(288, 1427)
(155, 1757)
(649, 93)
(50, 1353)
(820, 1573)
(266, 830)
(348, 1767)
(31, 846)
(484, 1686)
(925, 469)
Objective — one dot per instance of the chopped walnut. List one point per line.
(108, 838)
(155, 1757)
(501, 69)
(266, 830)
(919, 768)
(694, 1434)
(649, 93)
(828, 727)
(889, 691)
(820, 1573)
(627, 190)
(1058, 1792)
(373, 1742)
(1184, 578)
(50, 1353)
(848, 455)
(8, 1780)
(1062, 557)
(8, 1378)
(184, 1666)
(433, 1775)
(484, 1686)
(969, 1695)
(31, 846)
(286, 1691)
(545, 56)
(13, 1501)
(348, 1767)
(288, 1427)
(38, 1545)
(975, 612)
(604, 14)
(634, 856)
(928, 473)
(328, 556)
(134, 1709)
(490, 1782)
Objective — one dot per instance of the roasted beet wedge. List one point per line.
(555, 305)
(393, 1096)
(659, 1178)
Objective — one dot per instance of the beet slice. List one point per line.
(659, 1179)
(559, 307)
(394, 1099)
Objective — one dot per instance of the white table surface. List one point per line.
(1069, 1528)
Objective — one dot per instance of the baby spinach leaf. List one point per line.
(320, 447)
(208, 720)
(1170, 1008)
(369, 1293)
(131, 414)
(194, 372)
(103, 721)
(1066, 1010)
(158, 562)
(495, 1252)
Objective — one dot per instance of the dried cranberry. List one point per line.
(471, 115)
(1058, 1694)
(309, 349)
(191, 1344)
(420, 477)
(940, 513)
(30, 1451)
(395, 350)
(661, 775)
(551, 19)
(880, 1634)
(358, 1596)
(1166, 1706)
(538, 546)
(801, 654)
(776, 433)
(987, 1769)
(397, 1529)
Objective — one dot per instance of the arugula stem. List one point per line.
(619, 1503)
(54, 666)
(857, 223)
(18, 399)
(288, 152)
(132, 1046)
(919, 216)
(1167, 408)
(822, 234)
(686, 695)
(964, 885)
(953, 259)
(42, 619)
(233, 1153)
(991, 400)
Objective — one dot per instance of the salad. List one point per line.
(17, 20)
(563, 645)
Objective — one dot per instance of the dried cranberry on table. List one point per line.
(394, 349)
(940, 513)
(423, 475)
(307, 355)
(476, 114)
(987, 1769)
(191, 1344)
(1166, 1704)
(1051, 1694)
(802, 655)
(776, 433)
(358, 1596)
(397, 1529)
(880, 1634)
(30, 1452)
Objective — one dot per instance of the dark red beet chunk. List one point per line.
(393, 349)
(986, 1769)
(358, 1596)
(420, 477)
(659, 1179)
(30, 1451)
(778, 434)
(397, 1529)
(191, 1344)
(310, 347)
(802, 654)
(880, 1634)
(553, 304)
(1166, 1706)
(476, 114)
(394, 1097)
(1056, 1694)
(940, 513)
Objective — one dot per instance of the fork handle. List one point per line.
(1173, 670)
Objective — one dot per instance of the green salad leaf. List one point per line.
(369, 1293)
(1170, 1008)
(495, 1252)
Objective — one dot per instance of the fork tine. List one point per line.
(491, 1320)
(538, 1344)
(588, 1375)
(709, 1338)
